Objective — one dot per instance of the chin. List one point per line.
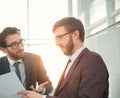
(20, 55)
(65, 53)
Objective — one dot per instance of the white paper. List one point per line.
(10, 85)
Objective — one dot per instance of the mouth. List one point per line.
(20, 53)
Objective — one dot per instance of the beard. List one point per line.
(69, 47)
(17, 55)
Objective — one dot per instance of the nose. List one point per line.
(57, 42)
(20, 46)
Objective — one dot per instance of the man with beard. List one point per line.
(31, 69)
(86, 76)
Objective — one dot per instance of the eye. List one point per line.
(14, 43)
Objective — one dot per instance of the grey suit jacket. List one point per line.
(87, 78)
(34, 70)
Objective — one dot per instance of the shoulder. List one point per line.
(3, 58)
(89, 53)
(91, 58)
(93, 62)
(31, 55)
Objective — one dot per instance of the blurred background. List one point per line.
(35, 19)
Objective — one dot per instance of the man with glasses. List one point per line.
(30, 67)
(86, 76)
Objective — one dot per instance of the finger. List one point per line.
(45, 83)
(32, 87)
(41, 86)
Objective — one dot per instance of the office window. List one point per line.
(35, 19)
(97, 10)
(99, 27)
(117, 4)
(117, 10)
(14, 13)
(74, 4)
(42, 15)
(117, 17)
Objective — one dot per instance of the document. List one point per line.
(10, 85)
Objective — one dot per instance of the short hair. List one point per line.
(71, 24)
(7, 31)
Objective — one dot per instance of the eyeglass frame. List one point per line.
(16, 44)
(59, 37)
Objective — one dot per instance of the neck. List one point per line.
(77, 46)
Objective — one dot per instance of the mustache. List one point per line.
(20, 50)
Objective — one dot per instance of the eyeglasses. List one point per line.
(59, 37)
(15, 44)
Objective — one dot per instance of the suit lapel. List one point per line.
(62, 81)
(69, 73)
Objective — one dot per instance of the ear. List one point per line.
(76, 34)
(4, 50)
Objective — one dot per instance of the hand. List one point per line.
(29, 94)
(40, 88)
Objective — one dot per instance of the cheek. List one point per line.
(10, 51)
(63, 44)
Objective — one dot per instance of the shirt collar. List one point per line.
(75, 55)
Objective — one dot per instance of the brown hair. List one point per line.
(71, 24)
(7, 31)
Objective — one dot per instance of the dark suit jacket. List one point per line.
(34, 70)
(87, 78)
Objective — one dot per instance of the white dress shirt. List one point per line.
(21, 69)
(72, 58)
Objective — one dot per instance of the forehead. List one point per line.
(12, 38)
(60, 30)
